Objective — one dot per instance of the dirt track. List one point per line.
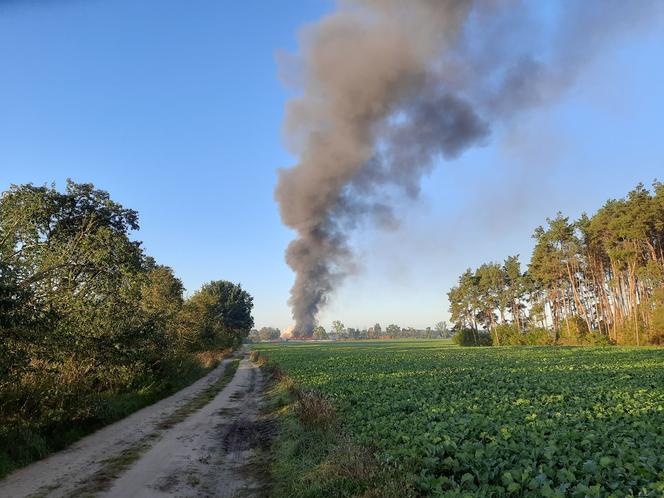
(155, 452)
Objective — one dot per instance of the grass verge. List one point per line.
(313, 455)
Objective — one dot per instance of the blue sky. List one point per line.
(176, 111)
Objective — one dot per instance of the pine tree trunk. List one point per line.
(577, 299)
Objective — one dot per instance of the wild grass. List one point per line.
(315, 411)
(312, 455)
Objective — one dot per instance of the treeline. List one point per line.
(392, 331)
(599, 279)
(264, 334)
(339, 332)
(93, 328)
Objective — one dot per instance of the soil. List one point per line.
(216, 451)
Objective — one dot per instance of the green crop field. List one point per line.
(497, 421)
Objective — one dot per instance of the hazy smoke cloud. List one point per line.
(388, 87)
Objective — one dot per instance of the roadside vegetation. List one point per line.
(312, 454)
(597, 280)
(92, 327)
(447, 421)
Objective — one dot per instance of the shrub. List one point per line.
(470, 337)
(626, 333)
(574, 329)
(538, 337)
(597, 339)
(656, 339)
(656, 332)
(507, 334)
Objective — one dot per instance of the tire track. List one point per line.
(92, 463)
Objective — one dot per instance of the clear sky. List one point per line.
(175, 108)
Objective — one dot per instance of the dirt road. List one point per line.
(199, 442)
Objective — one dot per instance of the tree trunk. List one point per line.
(577, 299)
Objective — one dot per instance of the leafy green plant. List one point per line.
(509, 421)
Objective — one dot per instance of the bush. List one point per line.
(34, 421)
(626, 333)
(656, 332)
(573, 330)
(470, 337)
(656, 339)
(538, 337)
(507, 334)
(597, 339)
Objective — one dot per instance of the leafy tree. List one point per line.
(220, 314)
(71, 277)
(269, 333)
(393, 331)
(320, 334)
(86, 317)
(515, 289)
(595, 279)
(443, 331)
(489, 280)
(161, 298)
(374, 332)
(339, 328)
(464, 301)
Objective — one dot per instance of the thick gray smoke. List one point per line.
(390, 86)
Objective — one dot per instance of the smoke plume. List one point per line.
(388, 87)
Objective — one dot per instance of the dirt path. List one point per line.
(198, 442)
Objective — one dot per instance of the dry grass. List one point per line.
(257, 358)
(351, 462)
(279, 379)
(315, 411)
(209, 359)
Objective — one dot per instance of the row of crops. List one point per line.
(497, 421)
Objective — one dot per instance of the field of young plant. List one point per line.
(497, 421)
